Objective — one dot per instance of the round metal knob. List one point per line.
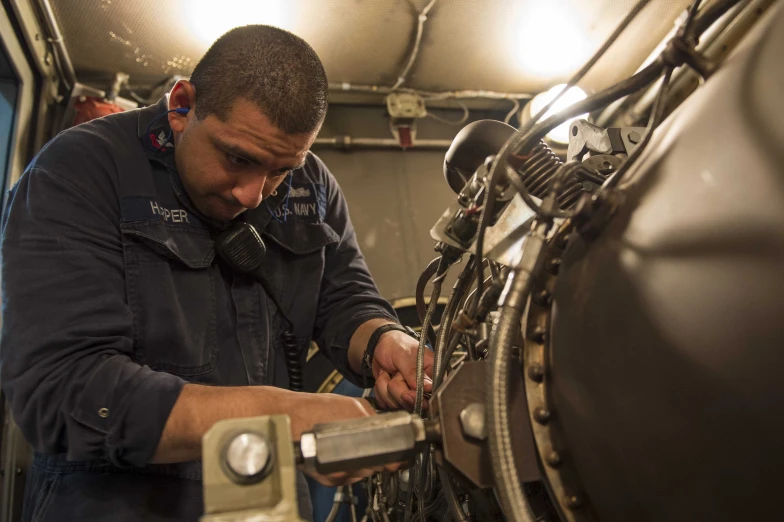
(248, 457)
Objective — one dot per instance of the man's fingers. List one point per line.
(411, 381)
(398, 389)
(409, 371)
(382, 392)
(339, 479)
(396, 466)
(410, 397)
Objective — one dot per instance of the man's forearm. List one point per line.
(359, 341)
(199, 407)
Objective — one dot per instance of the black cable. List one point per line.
(641, 79)
(472, 301)
(421, 306)
(458, 290)
(452, 502)
(708, 16)
(415, 477)
(443, 267)
(693, 8)
(653, 121)
(290, 347)
(454, 340)
(503, 156)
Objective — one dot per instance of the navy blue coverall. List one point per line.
(114, 297)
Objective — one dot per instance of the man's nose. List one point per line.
(249, 190)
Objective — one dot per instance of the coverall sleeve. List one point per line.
(348, 296)
(67, 332)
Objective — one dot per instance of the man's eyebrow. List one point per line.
(242, 153)
(238, 151)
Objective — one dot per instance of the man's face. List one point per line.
(230, 166)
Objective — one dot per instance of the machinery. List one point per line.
(611, 349)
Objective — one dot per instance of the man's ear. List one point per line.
(182, 96)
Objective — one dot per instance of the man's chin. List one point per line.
(222, 212)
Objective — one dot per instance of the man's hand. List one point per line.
(394, 368)
(394, 364)
(319, 408)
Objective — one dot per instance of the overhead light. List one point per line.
(548, 38)
(212, 18)
(559, 134)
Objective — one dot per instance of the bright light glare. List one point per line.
(559, 134)
(549, 38)
(213, 18)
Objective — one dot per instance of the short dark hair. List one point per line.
(270, 67)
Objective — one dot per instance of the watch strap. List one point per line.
(367, 357)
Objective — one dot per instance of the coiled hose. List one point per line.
(537, 170)
(505, 331)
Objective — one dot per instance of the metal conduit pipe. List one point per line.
(348, 142)
(61, 55)
(432, 95)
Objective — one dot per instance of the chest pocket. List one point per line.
(295, 268)
(171, 285)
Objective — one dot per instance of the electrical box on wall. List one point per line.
(404, 109)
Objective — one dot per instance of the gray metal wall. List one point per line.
(394, 196)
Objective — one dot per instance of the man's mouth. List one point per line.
(226, 210)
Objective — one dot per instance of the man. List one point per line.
(125, 337)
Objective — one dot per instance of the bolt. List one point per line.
(542, 415)
(572, 501)
(48, 59)
(553, 459)
(248, 456)
(536, 372)
(634, 137)
(539, 334)
(37, 36)
(543, 298)
(472, 419)
(553, 265)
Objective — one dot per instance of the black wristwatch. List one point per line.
(367, 357)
